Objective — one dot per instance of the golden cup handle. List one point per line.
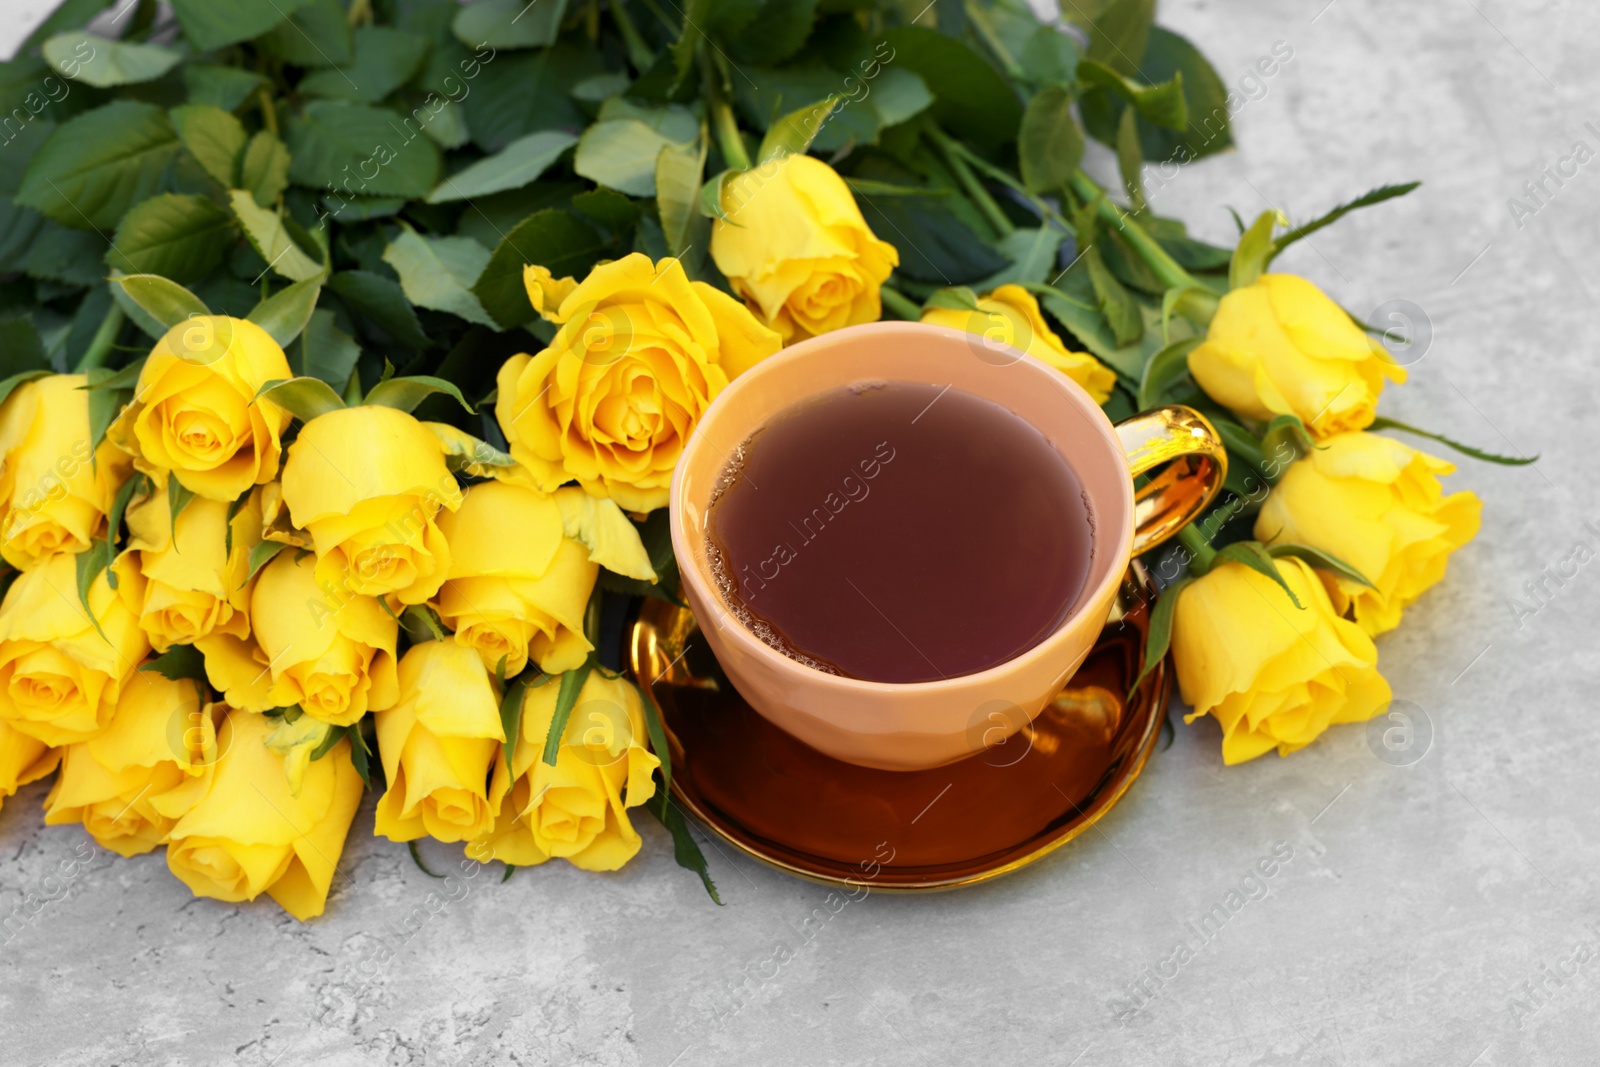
(1195, 462)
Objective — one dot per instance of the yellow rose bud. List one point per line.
(334, 657)
(249, 834)
(1377, 505)
(196, 574)
(578, 809)
(22, 760)
(1272, 674)
(367, 484)
(1010, 316)
(60, 678)
(129, 785)
(438, 745)
(1279, 346)
(795, 247)
(640, 353)
(54, 490)
(520, 597)
(194, 411)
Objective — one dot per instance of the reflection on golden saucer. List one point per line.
(791, 807)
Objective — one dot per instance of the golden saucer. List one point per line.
(793, 808)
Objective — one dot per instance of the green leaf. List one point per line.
(1254, 251)
(1376, 196)
(972, 99)
(621, 154)
(509, 23)
(554, 239)
(566, 697)
(793, 133)
(406, 393)
(1049, 57)
(164, 300)
(270, 238)
(214, 137)
(381, 302)
(1159, 637)
(334, 146)
(210, 25)
(115, 381)
(1118, 30)
(1254, 556)
(774, 33)
(334, 735)
(679, 170)
(72, 257)
(385, 59)
(9, 385)
(176, 236)
(264, 170)
(104, 63)
(1119, 308)
(1165, 367)
(421, 623)
(519, 163)
(1130, 161)
(304, 398)
(360, 754)
(179, 662)
(511, 716)
(1321, 560)
(1381, 423)
(439, 272)
(1160, 105)
(264, 553)
(285, 313)
(224, 87)
(1049, 145)
(658, 736)
(316, 35)
(935, 246)
(325, 351)
(609, 208)
(520, 92)
(97, 165)
(178, 497)
(684, 849)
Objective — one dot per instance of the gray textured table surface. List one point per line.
(1422, 905)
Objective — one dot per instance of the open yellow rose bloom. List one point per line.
(1272, 674)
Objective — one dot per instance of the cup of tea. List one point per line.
(902, 540)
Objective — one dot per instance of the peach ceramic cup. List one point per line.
(918, 725)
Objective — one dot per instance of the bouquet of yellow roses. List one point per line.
(349, 352)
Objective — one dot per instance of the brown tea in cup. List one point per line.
(897, 531)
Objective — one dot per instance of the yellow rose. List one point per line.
(333, 657)
(22, 760)
(367, 484)
(1272, 674)
(438, 745)
(129, 785)
(250, 834)
(1010, 316)
(640, 353)
(578, 809)
(1377, 505)
(517, 597)
(795, 247)
(60, 678)
(196, 574)
(55, 490)
(194, 411)
(1279, 346)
